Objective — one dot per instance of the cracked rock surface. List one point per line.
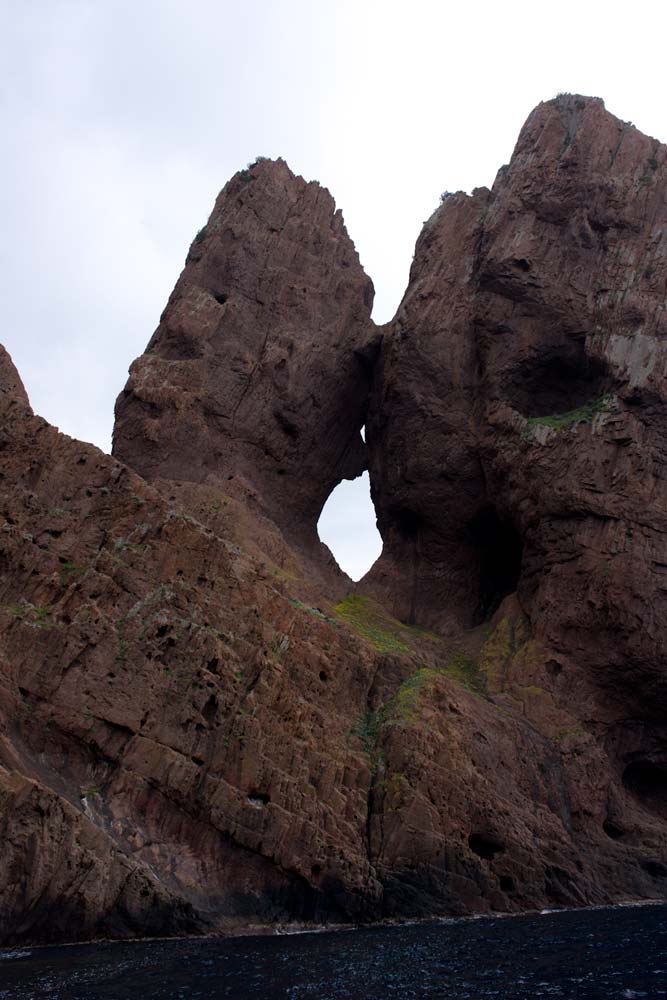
(204, 725)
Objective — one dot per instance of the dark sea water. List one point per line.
(603, 954)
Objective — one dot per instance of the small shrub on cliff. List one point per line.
(368, 730)
(315, 612)
(96, 790)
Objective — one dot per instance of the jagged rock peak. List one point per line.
(258, 374)
(11, 386)
(536, 315)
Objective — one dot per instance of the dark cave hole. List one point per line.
(288, 424)
(210, 709)
(555, 383)
(407, 522)
(408, 525)
(613, 830)
(647, 781)
(485, 846)
(367, 356)
(259, 799)
(507, 883)
(655, 869)
(499, 552)
(323, 675)
(220, 297)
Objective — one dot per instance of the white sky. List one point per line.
(122, 119)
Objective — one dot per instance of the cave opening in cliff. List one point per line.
(647, 780)
(499, 551)
(348, 526)
(557, 382)
(485, 845)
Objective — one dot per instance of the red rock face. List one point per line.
(193, 734)
(257, 377)
(514, 430)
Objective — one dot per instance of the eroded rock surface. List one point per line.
(196, 733)
(516, 428)
(257, 377)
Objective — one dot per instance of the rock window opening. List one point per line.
(347, 525)
(499, 553)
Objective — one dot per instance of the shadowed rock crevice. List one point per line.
(554, 382)
(646, 779)
(485, 845)
(498, 549)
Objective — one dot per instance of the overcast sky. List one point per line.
(122, 120)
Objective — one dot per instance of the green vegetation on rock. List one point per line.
(368, 729)
(315, 612)
(584, 414)
(36, 617)
(96, 790)
(373, 623)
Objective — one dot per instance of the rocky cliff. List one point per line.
(203, 724)
(257, 379)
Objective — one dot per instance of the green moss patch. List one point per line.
(373, 623)
(466, 672)
(402, 708)
(584, 414)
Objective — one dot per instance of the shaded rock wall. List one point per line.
(515, 426)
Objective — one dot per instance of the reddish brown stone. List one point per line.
(257, 377)
(192, 735)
